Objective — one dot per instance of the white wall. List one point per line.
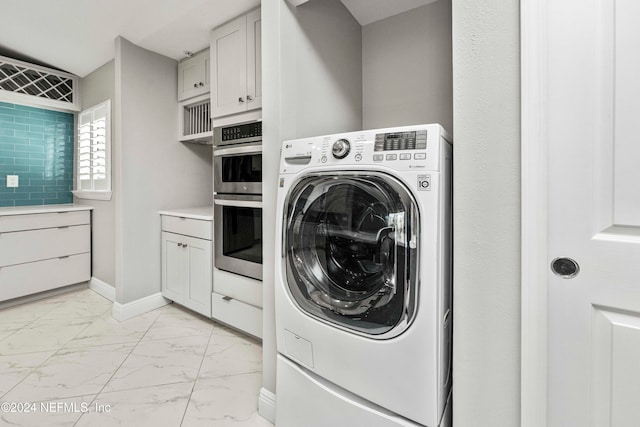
(97, 87)
(486, 115)
(153, 170)
(406, 68)
(314, 88)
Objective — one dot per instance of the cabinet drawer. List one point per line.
(43, 220)
(35, 245)
(238, 314)
(238, 287)
(187, 226)
(25, 279)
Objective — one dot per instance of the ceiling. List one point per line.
(78, 35)
(368, 11)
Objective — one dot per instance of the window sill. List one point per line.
(92, 195)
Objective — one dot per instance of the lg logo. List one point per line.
(424, 182)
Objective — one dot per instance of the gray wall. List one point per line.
(486, 114)
(328, 69)
(95, 88)
(314, 74)
(153, 170)
(406, 68)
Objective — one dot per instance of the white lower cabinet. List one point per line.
(240, 315)
(186, 268)
(43, 251)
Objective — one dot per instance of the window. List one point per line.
(94, 153)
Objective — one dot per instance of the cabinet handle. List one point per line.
(241, 99)
(64, 226)
(225, 298)
(184, 245)
(63, 257)
(179, 245)
(201, 84)
(195, 85)
(249, 98)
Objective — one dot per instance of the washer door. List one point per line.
(351, 244)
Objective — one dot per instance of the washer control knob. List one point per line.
(341, 148)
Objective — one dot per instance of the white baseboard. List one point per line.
(122, 312)
(267, 405)
(102, 288)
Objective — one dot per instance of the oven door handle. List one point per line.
(238, 203)
(244, 149)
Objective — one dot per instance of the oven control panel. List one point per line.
(238, 133)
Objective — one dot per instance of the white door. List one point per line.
(198, 297)
(174, 267)
(593, 142)
(254, 60)
(229, 68)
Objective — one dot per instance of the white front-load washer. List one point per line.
(363, 279)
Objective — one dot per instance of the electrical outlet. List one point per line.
(12, 180)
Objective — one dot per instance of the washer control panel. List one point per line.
(400, 148)
(391, 141)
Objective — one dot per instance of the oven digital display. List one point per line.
(414, 140)
(249, 130)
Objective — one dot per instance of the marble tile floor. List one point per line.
(64, 361)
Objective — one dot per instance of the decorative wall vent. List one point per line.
(33, 84)
(195, 120)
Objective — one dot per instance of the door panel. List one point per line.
(254, 59)
(199, 290)
(229, 72)
(594, 212)
(626, 102)
(174, 273)
(616, 347)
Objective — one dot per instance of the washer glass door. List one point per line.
(351, 244)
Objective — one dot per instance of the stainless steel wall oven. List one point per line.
(238, 199)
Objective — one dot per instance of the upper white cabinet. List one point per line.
(193, 76)
(236, 63)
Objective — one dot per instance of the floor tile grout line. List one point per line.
(120, 365)
(47, 359)
(195, 380)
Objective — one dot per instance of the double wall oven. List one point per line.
(237, 183)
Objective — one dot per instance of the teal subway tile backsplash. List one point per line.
(38, 146)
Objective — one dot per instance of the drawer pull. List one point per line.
(179, 245)
(63, 257)
(225, 298)
(64, 226)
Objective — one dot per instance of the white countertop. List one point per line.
(204, 213)
(39, 209)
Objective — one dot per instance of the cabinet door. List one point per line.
(254, 60)
(174, 267)
(198, 292)
(229, 68)
(193, 76)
